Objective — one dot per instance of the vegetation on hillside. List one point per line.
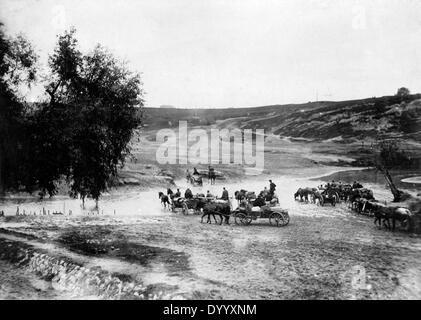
(390, 115)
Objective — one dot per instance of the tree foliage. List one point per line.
(17, 69)
(403, 92)
(82, 134)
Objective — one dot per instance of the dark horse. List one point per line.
(244, 194)
(223, 210)
(165, 200)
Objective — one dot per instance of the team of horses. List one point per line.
(362, 201)
(199, 203)
(218, 209)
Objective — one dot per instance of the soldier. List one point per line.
(272, 187)
(188, 194)
(225, 195)
(209, 195)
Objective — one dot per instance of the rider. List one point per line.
(188, 194)
(195, 172)
(209, 195)
(225, 195)
(177, 194)
(272, 187)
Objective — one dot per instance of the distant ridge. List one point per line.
(387, 115)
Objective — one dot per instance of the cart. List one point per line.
(277, 216)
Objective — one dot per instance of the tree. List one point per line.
(17, 69)
(390, 155)
(403, 92)
(85, 128)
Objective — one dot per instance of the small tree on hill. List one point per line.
(389, 154)
(403, 92)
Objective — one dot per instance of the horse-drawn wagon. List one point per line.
(196, 203)
(195, 179)
(277, 216)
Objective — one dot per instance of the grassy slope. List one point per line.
(317, 120)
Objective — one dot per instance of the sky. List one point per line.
(239, 53)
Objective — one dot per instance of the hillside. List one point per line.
(388, 115)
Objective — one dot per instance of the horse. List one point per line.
(223, 210)
(317, 196)
(329, 196)
(244, 194)
(385, 214)
(196, 203)
(165, 200)
(303, 193)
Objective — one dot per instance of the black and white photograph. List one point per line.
(217, 150)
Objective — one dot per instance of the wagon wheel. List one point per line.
(242, 219)
(285, 215)
(185, 208)
(276, 219)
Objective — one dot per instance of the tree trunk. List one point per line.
(395, 191)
